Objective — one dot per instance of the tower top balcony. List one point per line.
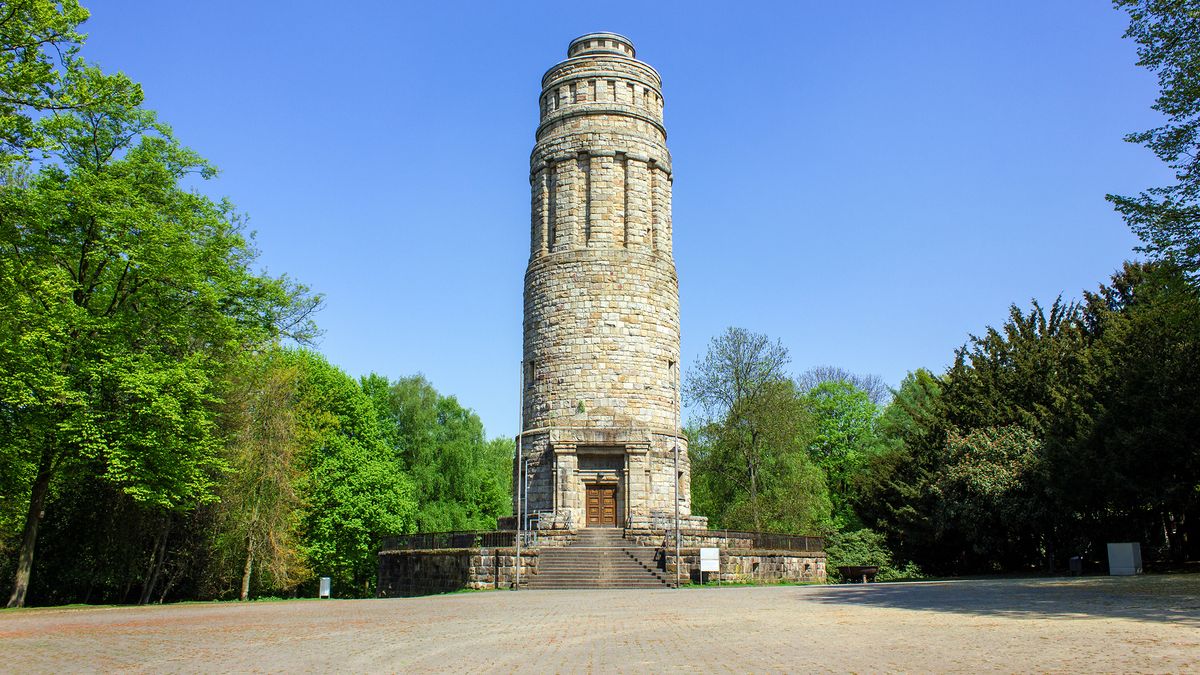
(601, 43)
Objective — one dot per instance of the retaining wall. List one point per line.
(405, 573)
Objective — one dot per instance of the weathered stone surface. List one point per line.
(601, 330)
(405, 573)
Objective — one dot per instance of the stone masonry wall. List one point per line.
(404, 573)
(740, 565)
(740, 560)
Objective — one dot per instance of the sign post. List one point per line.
(710, 561)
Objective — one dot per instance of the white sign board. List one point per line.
(1125, 558)
(710, 560)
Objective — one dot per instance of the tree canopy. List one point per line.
(1167, 218)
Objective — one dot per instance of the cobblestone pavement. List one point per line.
(1108, 624)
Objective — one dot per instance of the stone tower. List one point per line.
(601, 329)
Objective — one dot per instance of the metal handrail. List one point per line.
(441, 540)
(759, 540)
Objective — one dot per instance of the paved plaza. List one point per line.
(1093, 624)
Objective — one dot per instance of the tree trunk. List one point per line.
(754, 498)
(1171, 532)
(170, 582)
(157, 557)
(37, 509)
(246, 572)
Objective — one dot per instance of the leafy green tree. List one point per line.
(462, 481)
(254, 521)
(1167, 218)
(1035, 373)
(989, 492)
(121, 294)
(39, 45)
(355, 492)
(845, 438)
(894, 492)
(749, 459)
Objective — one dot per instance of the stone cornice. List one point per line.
(570, 437)
(540, 163)
(585, 109)
(599, 58)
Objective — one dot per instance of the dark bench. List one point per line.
(853, 574)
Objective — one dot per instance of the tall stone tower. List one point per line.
(601, 347)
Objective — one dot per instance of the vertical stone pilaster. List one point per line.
(583, 163)
(541, 199)
(552, 208)
(568, 489)
(668, 238)
(569, 209)
(637, 200)
(660, 205)
(637, 480)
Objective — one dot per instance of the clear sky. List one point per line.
(868, 182)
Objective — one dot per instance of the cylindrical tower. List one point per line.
(601, 329)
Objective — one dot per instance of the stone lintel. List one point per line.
(586, 436)
(539, 165)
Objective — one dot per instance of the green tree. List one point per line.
(894, 492)
(355, 490)
(989, 492)
(462, 480)
(121, 294)
(39, 45)
(254, 521)
(1036, 373)
(748, 455)
(845, 438)
(1167, 218)
(1138, 474)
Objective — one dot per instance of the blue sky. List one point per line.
(867, 182)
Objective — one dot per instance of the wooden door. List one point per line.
(601, 506)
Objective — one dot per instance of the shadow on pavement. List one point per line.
(1166, 598)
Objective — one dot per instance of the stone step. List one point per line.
(598, 559)
(598, 586)
(583, 583)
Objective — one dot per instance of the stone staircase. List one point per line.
(599, 558)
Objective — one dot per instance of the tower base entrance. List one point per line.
(601, 506)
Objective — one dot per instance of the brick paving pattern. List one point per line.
(1092, 624)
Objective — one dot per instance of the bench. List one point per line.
(853, 574)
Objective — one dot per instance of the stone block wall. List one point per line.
(405, 573)
(753, 565)
(740, 560)
(601, 335)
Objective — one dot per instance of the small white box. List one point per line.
(1125, 559)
